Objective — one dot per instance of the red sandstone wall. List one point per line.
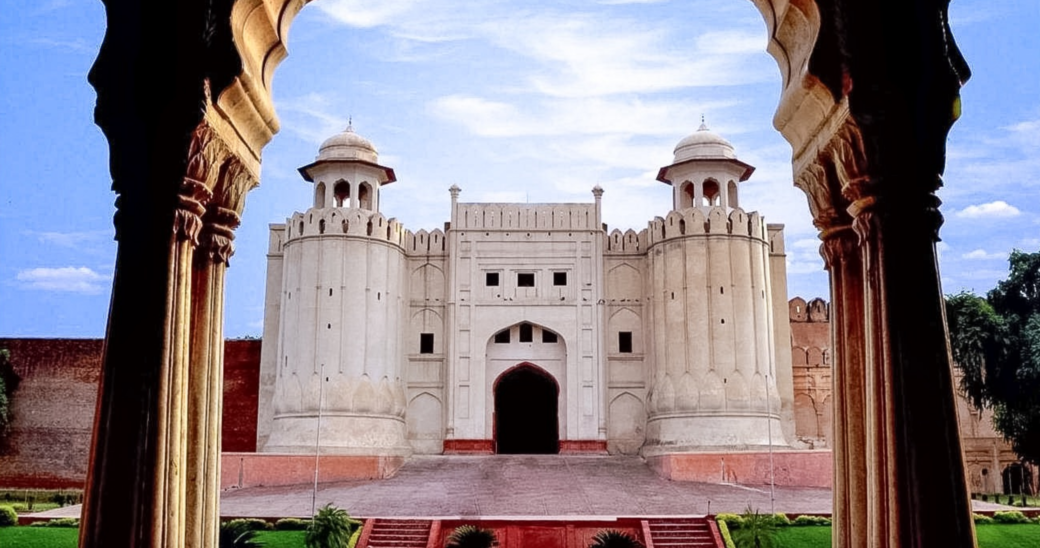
(811, 367)
(49, 441)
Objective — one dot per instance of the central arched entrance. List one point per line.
(527, 412)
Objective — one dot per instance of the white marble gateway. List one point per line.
(525, 327)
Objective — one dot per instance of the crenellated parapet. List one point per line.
(425, 243)
(694, 222)
(345, 222)
(484, 216)
(626, 243)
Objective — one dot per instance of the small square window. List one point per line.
(491, 279)
(624, 342)
(525, 279)
(426, 343)
(502, 337)
(549, 337)
(559, 278)
(526, 332)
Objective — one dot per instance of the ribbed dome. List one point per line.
(703, 144)
(348, 146)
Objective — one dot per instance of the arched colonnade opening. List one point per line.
(870, 90)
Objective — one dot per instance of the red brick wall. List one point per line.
(49, 442)
(53, 409)
(241, 393)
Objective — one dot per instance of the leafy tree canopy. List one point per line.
(996, 344)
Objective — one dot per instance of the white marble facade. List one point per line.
(670, 339)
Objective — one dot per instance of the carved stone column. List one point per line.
(170, 76)
(206, 374)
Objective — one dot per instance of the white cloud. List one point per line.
(68, 278)
(316, 121)
(565, 116)
(70, 239)
(997, 209)
(981, 254)
(367, 13)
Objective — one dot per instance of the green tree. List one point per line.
(755, 531)
(470, 536)
(996, 344)
(332, 527)
(611, 538)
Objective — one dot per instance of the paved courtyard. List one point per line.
(522, 485)
(519, 485)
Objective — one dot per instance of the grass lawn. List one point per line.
(38, 537)
(1026, 535)
(989, 536)
(803, 537)
(280, 539)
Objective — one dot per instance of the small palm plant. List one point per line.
(610, 538)
(238, 534)
(470, 536)
(756, 530)
(332, 528)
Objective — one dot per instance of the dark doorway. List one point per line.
(526, 412)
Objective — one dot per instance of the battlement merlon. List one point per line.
(514, 216)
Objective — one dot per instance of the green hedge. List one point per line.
(8, 516)
(727, 539)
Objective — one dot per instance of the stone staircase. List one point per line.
(396, 533)
(681, 533)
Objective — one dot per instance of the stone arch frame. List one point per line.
(860, 102)
(319, 194)
(686, 195)
(341, 193)
(711, 192)
(366, 195)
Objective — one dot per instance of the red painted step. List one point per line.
(398, 533)
(682, 533)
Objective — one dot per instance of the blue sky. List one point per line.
(514, 101)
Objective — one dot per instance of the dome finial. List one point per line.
(704, 127)
(350, 124)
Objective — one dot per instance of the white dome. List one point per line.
(348, 146)
(703, 144)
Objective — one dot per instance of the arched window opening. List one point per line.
(365, 196)
(346, 226)
(731, 195)
(711, 195)
(369, 232)
(342, 193)
(319, 195)
(686, 195)
(321, 226)
(682, 226)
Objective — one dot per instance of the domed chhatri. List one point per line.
(348, 146)
(705, 171)
(704, 144)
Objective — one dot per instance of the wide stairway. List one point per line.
(681, 533)
(398, 533)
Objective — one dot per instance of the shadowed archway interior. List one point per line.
(527, 412)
